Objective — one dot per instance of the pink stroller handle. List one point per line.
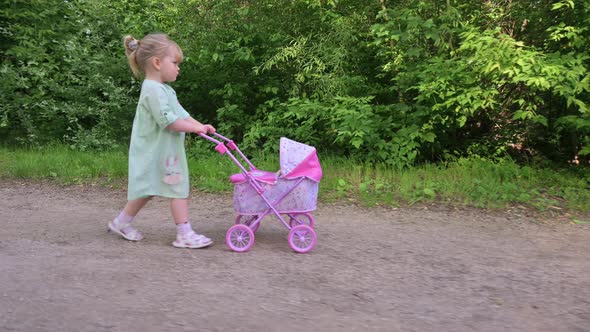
(230, 143)
(222, 149)
(209, 138)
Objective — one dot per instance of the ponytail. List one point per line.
(131, 45)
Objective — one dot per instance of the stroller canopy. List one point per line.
(298, 159)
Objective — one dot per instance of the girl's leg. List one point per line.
(132, 207)
(185, 237)
(179, 207)
(122, 224)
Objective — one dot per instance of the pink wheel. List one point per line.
(239, 238)
(302, 238)
(248, 221)
(301, 219)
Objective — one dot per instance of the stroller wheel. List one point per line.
(248, 221)
(239, 238)
(301, 219)
(302, 238)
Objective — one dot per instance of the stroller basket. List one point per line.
(303, 198)
(296, 182)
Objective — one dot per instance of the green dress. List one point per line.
(157, 160)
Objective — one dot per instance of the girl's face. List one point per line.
(169, 65)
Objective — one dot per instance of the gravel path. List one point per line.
(372, 270)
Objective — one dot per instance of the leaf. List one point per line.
(557, 5)
(356, 142)
(541, 119)
(363, 186)
(462, 120)
(429, 137)
(522, 115)
(429, 192)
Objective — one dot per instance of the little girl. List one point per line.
(157, 160)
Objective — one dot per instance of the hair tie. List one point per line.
(133, 44)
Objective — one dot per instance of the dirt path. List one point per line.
(372, 270)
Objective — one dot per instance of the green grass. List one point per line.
(477, 183)
(63, 165)
(465, 183)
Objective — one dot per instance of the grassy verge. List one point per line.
(64, 165)
(465, 183)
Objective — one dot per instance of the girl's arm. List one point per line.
(190, 125)
(210, 128)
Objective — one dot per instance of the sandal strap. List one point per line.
(126, 231)
(195, 238)
(132, 233)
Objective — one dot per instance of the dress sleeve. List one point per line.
(160, 108)
(183, 114)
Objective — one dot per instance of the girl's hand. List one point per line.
(209, 129)
(199, 129)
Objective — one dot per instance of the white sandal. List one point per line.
(127, 232)
(192, 240)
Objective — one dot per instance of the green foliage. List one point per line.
(486, 92)
(57, 85)
(397, 83)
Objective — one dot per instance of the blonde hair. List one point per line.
(139, 52)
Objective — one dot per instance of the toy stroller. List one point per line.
(291, 194)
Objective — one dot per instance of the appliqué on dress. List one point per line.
(172, 174)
